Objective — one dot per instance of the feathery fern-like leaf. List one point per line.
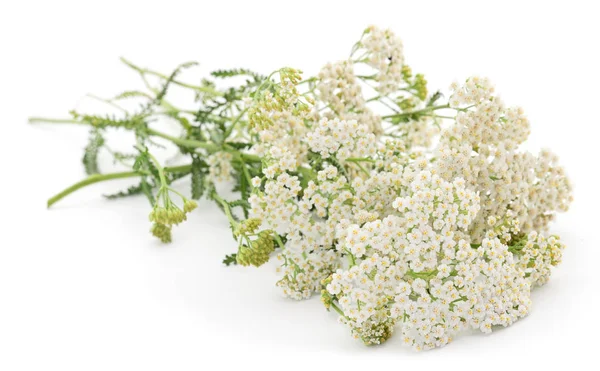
(131, 94)
(230, 259)
(131, 191)
(90, 155)
(101, 122)
(161, 94)
(198, 178)
(226, 73)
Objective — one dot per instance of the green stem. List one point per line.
(145, 71)
(185, 142)
(233, 124)
(360, 159)
(39, 120)
(278, 240)
(190, 143)
(160, 169)
(337, 309)
(226, 209)
(309, 80)
(91, 180)
(96, 178)
(417, 112)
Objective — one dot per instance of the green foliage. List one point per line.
(161, 94)
(227, 73)
(129, 122)
(434, 98)
(120, 156)
(132, 94)
(90, 155)
(147, 191)
(240, 203)
(245, 194)
(131, 191)
(230, 259)
(239, 145)
(144, 165)
(198, 177)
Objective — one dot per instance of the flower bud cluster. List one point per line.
(257, 251)
(166, 213)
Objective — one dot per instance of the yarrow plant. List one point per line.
(404, 213)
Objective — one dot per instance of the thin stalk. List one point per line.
(424, 110)
(145, 71)
(337, 309)
(226, 209)
(190, 143)
(185, 142)
(234, 123)
(44, 120)
(96, 178)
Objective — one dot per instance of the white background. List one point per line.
(84, 286)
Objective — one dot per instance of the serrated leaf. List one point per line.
(239, 145)
(90, 155)
(198, 178)
(161, 94)
(226, 73)
(230, 259)
(131, 191)
(240, 203)
(147, 190)
(132, 94)
(244, 191)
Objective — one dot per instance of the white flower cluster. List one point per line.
(482, 147)
(340, 88)
(394, 234)
(385, 53)
(219, 166)
(342, 139)
(307, 257)
(341, 92)
(536, 255)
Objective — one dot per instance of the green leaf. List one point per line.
(129, 122)
(132, 94)
(90, 155)
(147, 190)
(131, 191)
(161, 94)
(236, 72)
(434, 98)
(230, 259)
(239, 145)
(198, 178)
(241, 203)
(244, 191)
